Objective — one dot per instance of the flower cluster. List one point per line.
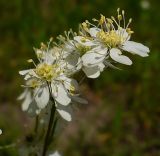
(96, 46)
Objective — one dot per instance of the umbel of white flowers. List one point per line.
(96, 46)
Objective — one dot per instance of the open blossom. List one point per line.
(50, 77)
(110, 38)
(92, 66)
(76, 48)
(28, 103)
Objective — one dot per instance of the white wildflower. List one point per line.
(92, 56)
(50, 77)
(112, 37)
(78, 46)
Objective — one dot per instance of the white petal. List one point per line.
(42, 97)
(33, 109)
(49, 59)
(79, 65)
(65, 115)
(72, 59)
(22, 96)
(24, 72)
(69, 47)
(61, 95)
(94, 56)
(27, 101)
(28, 73)
(92, 72)
(27, 77)
(79, 100)
(87, 42)
(93, 31)
(123, 32)
(108, 64)
(116, 55)
(101, 66)
(47, 56)
(136, 48)
(64, 111)
(68, 83)
(73, 62)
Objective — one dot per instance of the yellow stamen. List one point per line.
(46, 72)
(43, 46)
(72, 90)
(85, 26)
(111, 38)
(83, 49)
(129, 31)
(102, 19)
(83, 39)
(51, 39)
(109, 20)
(120, 17)
(30, 61)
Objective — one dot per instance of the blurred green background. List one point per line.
(123, 115)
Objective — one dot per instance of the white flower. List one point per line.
(110, 40)
(55, 154)
(93, 71)
(92, 65)
(29, 105)
(27, 99)
(51, 77)
(92, 56)
(79, 46)
(64, 111)
(71, 54)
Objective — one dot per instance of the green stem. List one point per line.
(36, 124)
(52, 114)
(45, 147)
(53, 130)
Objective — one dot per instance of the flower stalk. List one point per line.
(36, 124)
(50, 124)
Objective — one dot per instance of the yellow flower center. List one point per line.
(33, 83)
(111, 38)
(83, 49)
(72, 89)
(46, 72)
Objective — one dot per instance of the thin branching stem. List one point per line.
(50, 124)
(53, 130)
(36, 124)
